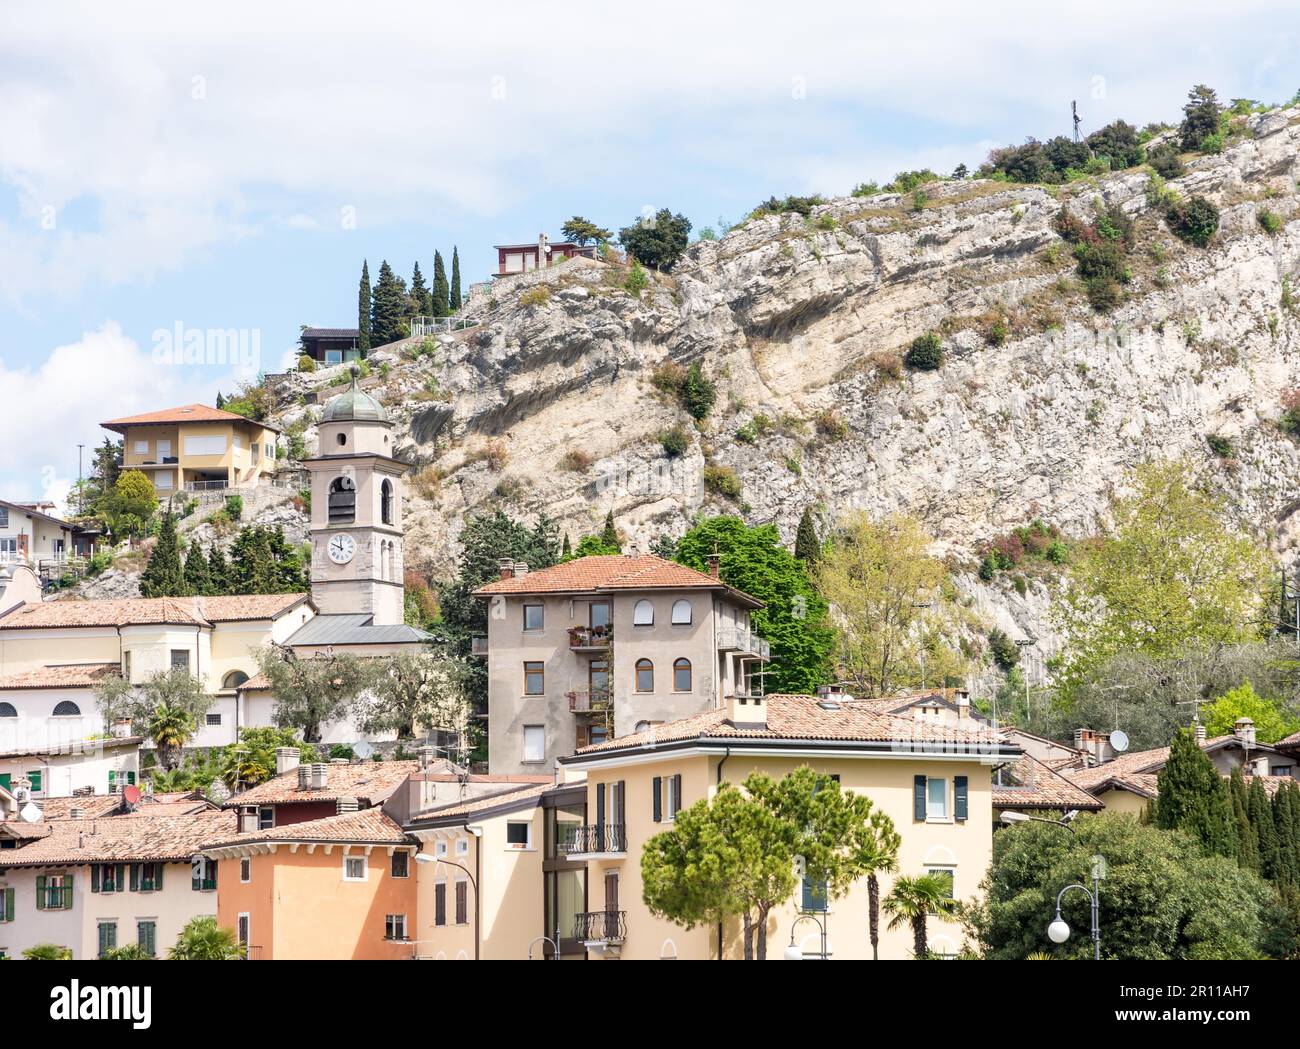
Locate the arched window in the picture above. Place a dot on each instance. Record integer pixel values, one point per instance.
(342, 501)
(681, 675)
(643, 613)
(67, 709)
(7, 710)
(234, 679)
(645, 675)
(681, 612)
(386, 502)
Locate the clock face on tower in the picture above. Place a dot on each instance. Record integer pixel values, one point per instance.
(341, 548)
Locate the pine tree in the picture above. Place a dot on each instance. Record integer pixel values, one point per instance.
(1194, 798)
(163, 575)
(363, 308)
(196, 571)
(807, 547)
(421, 298)
(1247, 839)
(441, 292)
(388, 308)
(1261, 818)
(218, 571)
(609, 536)
(456, 300)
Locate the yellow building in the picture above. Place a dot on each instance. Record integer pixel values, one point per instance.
(932, 778)
(194, 448)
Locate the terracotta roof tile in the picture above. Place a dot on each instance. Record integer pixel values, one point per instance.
(187, 611)
(370, 782)
(1270, 783)
(1042, 789)
(363, 827)
(1292, 740)
(515, 795)
(612, 572)
(79, 675)
(120, 839)
(100, 806)
(1124, 765)
(792, 717)
(185, 413)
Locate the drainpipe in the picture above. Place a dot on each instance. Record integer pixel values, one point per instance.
(721, 761)
(478, 888)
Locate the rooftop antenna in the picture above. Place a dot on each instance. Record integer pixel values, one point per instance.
(1074, 111)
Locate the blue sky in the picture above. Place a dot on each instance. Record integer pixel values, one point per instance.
(160, 165)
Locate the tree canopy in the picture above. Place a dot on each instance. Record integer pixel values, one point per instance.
(311, 691)
(657, 241)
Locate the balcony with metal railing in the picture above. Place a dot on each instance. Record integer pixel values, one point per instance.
(597, 841)
(743, 641)
(478, 646)
(589, 638)
(600, 926)
(590, 701)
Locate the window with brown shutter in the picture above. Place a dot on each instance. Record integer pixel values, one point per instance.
(462, 903)
(440, 903)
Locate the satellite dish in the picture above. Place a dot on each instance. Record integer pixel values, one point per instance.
(1119, 741)
(131, 794)
(30, 813)
(362, 749)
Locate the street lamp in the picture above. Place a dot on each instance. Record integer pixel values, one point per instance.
(555, 948)
(1058, 931)
(794, 953)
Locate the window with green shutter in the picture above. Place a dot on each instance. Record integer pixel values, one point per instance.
(146, 935)
(40, 892)
(960, 793)
(107, 937)
(6, 781)
(6, 905)
(34, 778)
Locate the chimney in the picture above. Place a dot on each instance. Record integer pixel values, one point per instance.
(715, 565)
(1244, 730)
(521, 569)
(747, 711)
(304, 777)
(248, 821)
(1200, 734)
(286, 759)
(121, 728)
(76, 813)
(507, 567)
(347, 805)
(963, 705)
(428, 755)
(832, 692)
(319, 775)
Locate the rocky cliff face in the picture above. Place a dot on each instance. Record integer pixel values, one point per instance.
(803, 321)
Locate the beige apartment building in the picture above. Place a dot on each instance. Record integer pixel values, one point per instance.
(196, 448)
(605, 646)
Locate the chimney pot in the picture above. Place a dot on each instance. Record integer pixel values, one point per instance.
(247, 822)
(121, 728)
(319, 776)
(521, 569)
(1244, 729)
(286, 759)
(715, 565)
(1200, 733)
(507, 567)
(347, 805)
(747, 711)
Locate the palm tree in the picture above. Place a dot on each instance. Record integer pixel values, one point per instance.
(913, 900)
(48, 952)
(128, 952)
(170, 728)
(244, 766)
(877, 854)
(203, 940)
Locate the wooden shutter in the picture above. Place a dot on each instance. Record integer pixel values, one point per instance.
(9, 905)
(959, 792)
(67, 892)
(40, 892)
(135, 877)
(583, 736)
(619, 790)
(600, 804)
(94, 877)
(677, 794)
(658, 787)
(440, 903)
(462, 902)
(157, 876)
(918, 797)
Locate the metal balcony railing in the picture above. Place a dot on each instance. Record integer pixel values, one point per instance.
(589, 701)
(742, 640)
(596, 839)
(478, 646)
(585, 637)
(600, 926)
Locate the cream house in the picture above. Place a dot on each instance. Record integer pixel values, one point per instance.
(31, 534)
(194, 448)
(605, 646)
(933, 779)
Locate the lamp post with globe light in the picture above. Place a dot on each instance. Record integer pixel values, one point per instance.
(1058, 931)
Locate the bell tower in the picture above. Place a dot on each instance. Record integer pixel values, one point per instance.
(356, 511)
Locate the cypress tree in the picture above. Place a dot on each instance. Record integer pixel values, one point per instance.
(456, 300)
(441, 292)
(566, 549)
(421, 299)
(1193, 797)
(218, 571)
(807, 547)
(609, 535)
(163, 575)
(1284, 820)
(196, 571)
(1261, 818)
(363, 308)
(387, 308)
(1247, 839)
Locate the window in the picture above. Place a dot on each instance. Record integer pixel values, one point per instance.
(681, 675)
(534, 617)
(34, 779)
(534, 679)
(213, 719)
(342, 439)
(681, 613)
(534, 743)
(813, 895)
(462, 903)
(519, 835)
(6, 905)
(164, 449)
(4, 517)
(126, 665)
(180, 659)
(333, 356)
(354, 868)
(666, 794)
(203, 875)
(440, 849)
(265, 817)
(234, 679)
(107, 937)
(146, 935)
(141, 447)
(947, 875)
(401, 865)
(107, 877)
(245, 870)
(7, 710)
(386, 502)
(936, 799)
(67, 709)
(462, 846)
(162, 479)
(645, 675)
(440, 903)
(342, 501)
(674, 795)
(395, 927)
(598, 614)
(242, 929)
(212, 445)
(53, 893)
(643, 613)
(146, 877)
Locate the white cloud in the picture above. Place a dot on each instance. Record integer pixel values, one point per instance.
(48, 410)
(158, 130)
